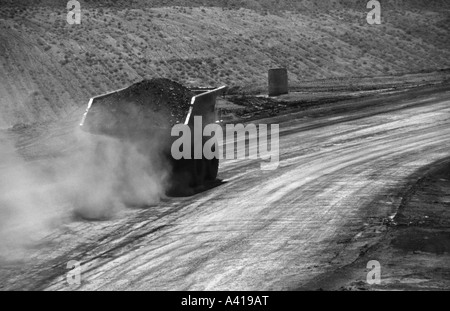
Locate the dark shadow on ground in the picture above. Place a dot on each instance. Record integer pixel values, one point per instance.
(188, 191)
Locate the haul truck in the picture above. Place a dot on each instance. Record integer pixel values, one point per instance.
(146, 112)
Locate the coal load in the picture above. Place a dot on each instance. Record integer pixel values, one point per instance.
(139, 109)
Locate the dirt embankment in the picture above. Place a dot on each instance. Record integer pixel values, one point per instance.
(326, 93)
(50, 67)
(414, 253)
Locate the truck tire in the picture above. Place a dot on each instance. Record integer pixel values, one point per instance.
(212, 168)
(199, 172)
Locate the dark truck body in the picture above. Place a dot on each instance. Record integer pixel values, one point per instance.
(146, 113)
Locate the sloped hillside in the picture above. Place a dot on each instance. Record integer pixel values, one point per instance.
(49, 68)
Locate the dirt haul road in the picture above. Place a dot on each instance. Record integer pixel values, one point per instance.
(335, 187)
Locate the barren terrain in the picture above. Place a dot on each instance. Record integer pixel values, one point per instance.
(49, 68)
(364, 147)
(326, 205)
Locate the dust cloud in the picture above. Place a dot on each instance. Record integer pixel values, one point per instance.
(100, 176)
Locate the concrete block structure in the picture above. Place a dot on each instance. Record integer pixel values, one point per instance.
(278, 81)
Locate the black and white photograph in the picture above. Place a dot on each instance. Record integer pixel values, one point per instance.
(236, 147)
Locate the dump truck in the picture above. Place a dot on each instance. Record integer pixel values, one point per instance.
(145, 112)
